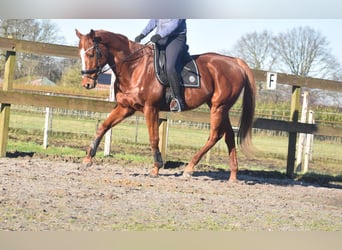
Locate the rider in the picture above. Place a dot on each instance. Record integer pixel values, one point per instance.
(171, 35)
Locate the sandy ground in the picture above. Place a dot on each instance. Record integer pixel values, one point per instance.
(43, 194)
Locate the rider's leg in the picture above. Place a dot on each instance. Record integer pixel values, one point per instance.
(174, 54)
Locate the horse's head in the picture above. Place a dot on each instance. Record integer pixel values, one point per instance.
(93, 56)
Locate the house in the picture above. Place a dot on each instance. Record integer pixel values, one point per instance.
(43, 81)
(104, 80)
(35, 81)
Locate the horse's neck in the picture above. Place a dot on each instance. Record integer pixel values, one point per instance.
(127, 54)
(120, 53)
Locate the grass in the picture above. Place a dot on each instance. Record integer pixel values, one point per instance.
(71, 135)
(35, 121)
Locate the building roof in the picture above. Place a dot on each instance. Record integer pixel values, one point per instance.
(104, 79)
(42, 82)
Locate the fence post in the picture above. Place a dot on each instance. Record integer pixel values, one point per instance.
(5, 108)
(47, 126)
(137, 118)
(291, 150)
(163, 130)
(108, 136)
(207, 157)
(302, 136)
(308, 145)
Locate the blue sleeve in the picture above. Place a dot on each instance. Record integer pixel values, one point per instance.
(164, 27)
(167, 27)
(149, 27)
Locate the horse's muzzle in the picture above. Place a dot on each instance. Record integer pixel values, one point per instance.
(88, 86)
(89, 83)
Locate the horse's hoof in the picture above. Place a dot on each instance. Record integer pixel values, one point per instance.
(153, 175)
(155, 172)
(187, 175)
(85, 165)
(233, 181)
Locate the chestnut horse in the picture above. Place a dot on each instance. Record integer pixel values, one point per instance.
(137, 89)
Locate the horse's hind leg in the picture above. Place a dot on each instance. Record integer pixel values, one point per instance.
(230, 142)
(116, 116)
(217, 130)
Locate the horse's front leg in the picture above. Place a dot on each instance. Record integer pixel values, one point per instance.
(116, 116)
(152, 122)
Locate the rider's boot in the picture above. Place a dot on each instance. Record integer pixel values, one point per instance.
(176, 104)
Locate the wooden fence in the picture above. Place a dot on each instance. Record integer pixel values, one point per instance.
(8, 97)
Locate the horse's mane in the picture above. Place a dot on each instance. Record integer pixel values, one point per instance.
(107, 37)
(105, 34)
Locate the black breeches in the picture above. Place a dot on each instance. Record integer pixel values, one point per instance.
(174, 52)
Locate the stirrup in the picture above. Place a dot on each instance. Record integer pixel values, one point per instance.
(175, 105)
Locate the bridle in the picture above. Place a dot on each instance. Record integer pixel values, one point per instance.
(100, 69)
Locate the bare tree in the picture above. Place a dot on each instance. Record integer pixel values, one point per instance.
(33, 30)
(256, 49)
(301, 51)
(305, 52)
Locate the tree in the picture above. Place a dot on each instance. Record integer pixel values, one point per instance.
(31, 30)
(37, 31)
(258, 52)
(301, 51)
(305, 52)
(256, 49)
(72, 76)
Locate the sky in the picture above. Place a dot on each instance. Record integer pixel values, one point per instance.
(209, 35)
(213, 25)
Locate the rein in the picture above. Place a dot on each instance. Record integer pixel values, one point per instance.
(129, 57)
(135, 52)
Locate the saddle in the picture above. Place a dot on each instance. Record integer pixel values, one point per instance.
(190, 74)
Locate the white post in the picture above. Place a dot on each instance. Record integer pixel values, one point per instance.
(164, 136)
(108, 136)
(308, 145)
(302, 136)
(136, 129)
(47, 125)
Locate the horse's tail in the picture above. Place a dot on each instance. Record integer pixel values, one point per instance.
(248, 107)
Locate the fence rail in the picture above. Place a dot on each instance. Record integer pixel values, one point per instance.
(46, 49)
(97, 105)
(8, 96)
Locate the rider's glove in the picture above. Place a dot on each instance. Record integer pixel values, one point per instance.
(139, 38)
(155, 38)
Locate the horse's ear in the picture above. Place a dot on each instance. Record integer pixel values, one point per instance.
(92, 34)
(78, 34)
